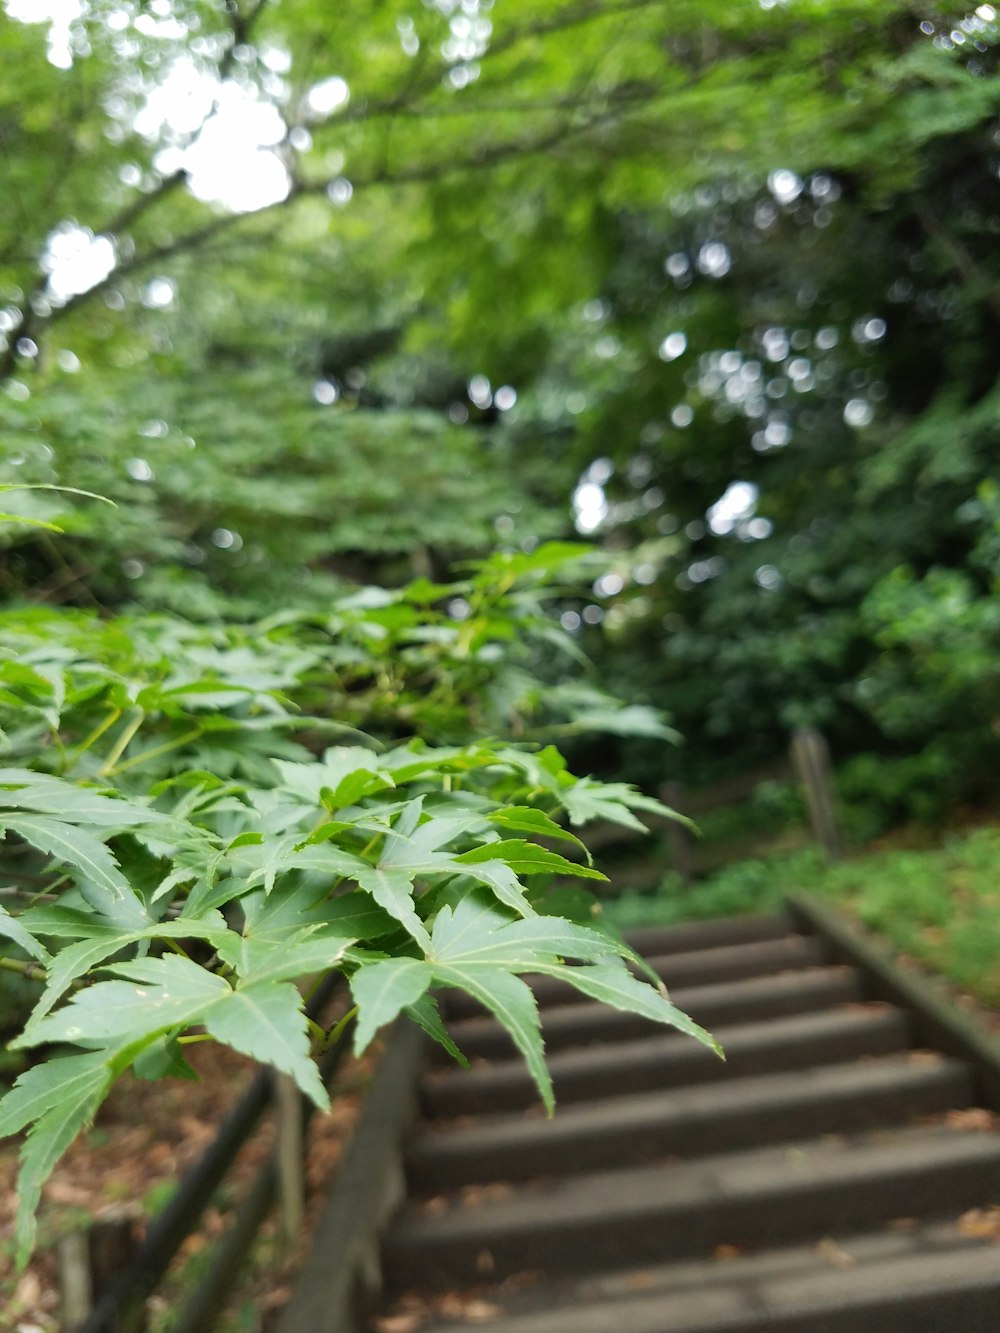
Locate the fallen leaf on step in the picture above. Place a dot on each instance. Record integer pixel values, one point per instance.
(481, 1310)
(638, 1281)
(726, 1252)
(497, 1189)
(451, 1304)
(414, 1301)
(485, 1262)
(528, 1277)
(973, 1117)
(982, 1223)
(835, 1255)
(61, 1191)
(28, 1291)
(274, 1300)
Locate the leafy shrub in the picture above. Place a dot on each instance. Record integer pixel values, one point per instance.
(199, 817)
(773, 806)
(877, 792)
(938, 905)
(756, 885)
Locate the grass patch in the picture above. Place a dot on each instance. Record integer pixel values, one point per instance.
(756, 885)
(939, 905)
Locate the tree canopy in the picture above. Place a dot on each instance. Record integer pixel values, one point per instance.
(715, 281)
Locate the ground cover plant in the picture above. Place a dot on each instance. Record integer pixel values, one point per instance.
(937, 902)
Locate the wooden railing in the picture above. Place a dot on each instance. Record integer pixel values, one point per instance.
(98, 1301)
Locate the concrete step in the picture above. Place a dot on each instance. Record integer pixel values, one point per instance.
(842, 1251)
(709, 934)
(698, 967)
(688, 1122)
(655, 1213)
(666, 1060)
(923, 1280)
(757, 998)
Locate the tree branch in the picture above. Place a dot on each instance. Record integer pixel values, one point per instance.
(572, 16)
(33, 322)
(960, 257)
(622, 94)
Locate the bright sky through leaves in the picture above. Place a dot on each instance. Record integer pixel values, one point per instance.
(59, 14)
(221, 133)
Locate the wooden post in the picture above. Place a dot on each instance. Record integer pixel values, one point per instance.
(88, 1263)
(291, 1176)
(811, 762)
(76, 1288)
(677, 835)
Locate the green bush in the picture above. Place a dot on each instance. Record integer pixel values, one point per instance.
(940, 906)
(198, 817)
(742, 887)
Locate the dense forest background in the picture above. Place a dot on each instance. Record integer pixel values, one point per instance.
(332, 297)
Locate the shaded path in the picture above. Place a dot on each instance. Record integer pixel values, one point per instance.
(823, 1180)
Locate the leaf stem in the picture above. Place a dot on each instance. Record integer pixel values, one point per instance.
(363, 854)
(337, 1031)
(122, 743)
(157, 750)
(369, 845)
(93, 738)
(33, 971)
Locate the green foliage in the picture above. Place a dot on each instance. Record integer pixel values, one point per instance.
(938, 638)
(25, 521)
(772, 807)
(498, 198)
(427, 659)
(255, 725)
(201, 847)
(938, 905)
(239, 493)
(477, 949)
(755, 885)
(877, 793)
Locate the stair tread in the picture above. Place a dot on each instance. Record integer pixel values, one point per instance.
(591, 1021)
(742, 1042)
(755, 1196)
(763, 953)
(691, 967)
(706, 1107)
(841, 1275)
(722, 1178)
(683, 936)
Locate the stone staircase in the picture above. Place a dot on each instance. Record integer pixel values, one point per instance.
(829, 1177)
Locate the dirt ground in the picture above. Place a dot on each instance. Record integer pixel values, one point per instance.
(145, 1138)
